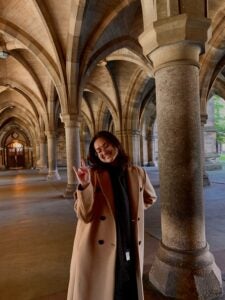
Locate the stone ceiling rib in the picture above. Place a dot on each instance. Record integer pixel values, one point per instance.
(52, 34)
(25, 16)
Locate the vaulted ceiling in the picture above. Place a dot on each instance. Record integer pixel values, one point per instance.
(85, 57)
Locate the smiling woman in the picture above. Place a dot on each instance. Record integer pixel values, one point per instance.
(106, 148)
(109, 241)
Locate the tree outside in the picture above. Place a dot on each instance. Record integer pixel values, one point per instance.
(219, 115)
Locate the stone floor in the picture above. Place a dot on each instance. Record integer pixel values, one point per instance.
(37, 228)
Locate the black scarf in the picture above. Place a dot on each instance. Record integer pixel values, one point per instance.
(125, 278)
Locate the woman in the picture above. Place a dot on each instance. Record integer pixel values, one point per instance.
(108, 253)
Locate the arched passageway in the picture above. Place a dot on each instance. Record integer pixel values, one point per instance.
(145, 70)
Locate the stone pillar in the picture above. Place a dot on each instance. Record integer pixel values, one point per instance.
(2, 163)
(146, 149)
(130, 140)
(206, 181)
(84, 143)
(183, 260)
(134, 146)
(5, 157)
(143, 149)
(72, 133)
(150, 149)
(37, 153)
(42, 163)
(155, 150)
(52, 161)
(183, 268)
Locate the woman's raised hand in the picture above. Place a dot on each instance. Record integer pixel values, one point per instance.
(82, 174)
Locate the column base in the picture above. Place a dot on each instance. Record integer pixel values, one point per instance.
(206, 181)
(186, 274)
(70, 189)
(149, 164)
(43, 170)
(53, 175)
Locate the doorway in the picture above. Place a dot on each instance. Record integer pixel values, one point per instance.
(15, 156)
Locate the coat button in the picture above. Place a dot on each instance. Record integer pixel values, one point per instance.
(102, 218)
(138, 218)
(141, 188)
(139, 243)
(101, 242)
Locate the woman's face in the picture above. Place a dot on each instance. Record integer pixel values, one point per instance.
(106, 152)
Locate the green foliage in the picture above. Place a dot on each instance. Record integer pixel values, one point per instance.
(219, 115)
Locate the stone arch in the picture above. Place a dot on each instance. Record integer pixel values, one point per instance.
(105, 120)
(25, 121)
(104, 98)
(72, 56)
(101, 54)
(38, 106)
(20, 126)
(134, 99)
(45, 17)
(22, 108)
(17, 142)
(147, 120)
(101, 28)
(27, 42)
(213, 61)
(35, 78)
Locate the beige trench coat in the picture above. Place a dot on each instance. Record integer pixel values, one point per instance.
(94, 253)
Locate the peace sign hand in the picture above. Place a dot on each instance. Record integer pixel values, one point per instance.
(82, 174)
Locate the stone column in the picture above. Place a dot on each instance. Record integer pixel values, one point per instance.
(122, 137)
(143, 150)
(37, 152)
(42, 163)
(183, 260)
(155, 150)
(52, 160)
(5, 157)
(2, 164)
(184, 268)
(146, 149)
(130, 140)
(85, 139)
(72, 133)
(150, 149)
(206, 181)
(134, 146)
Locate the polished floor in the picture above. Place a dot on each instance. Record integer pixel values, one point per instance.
(37, 226)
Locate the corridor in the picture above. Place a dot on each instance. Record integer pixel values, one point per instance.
(37, 226)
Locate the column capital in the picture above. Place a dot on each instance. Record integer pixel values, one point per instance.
(175, 29)
(50, 133)
(42, 138)
(128, 132)
(71, 120)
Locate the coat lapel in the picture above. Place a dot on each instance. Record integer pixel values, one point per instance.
(132, 185)
(106, 187)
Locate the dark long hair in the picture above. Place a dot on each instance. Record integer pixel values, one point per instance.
(122, 158)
